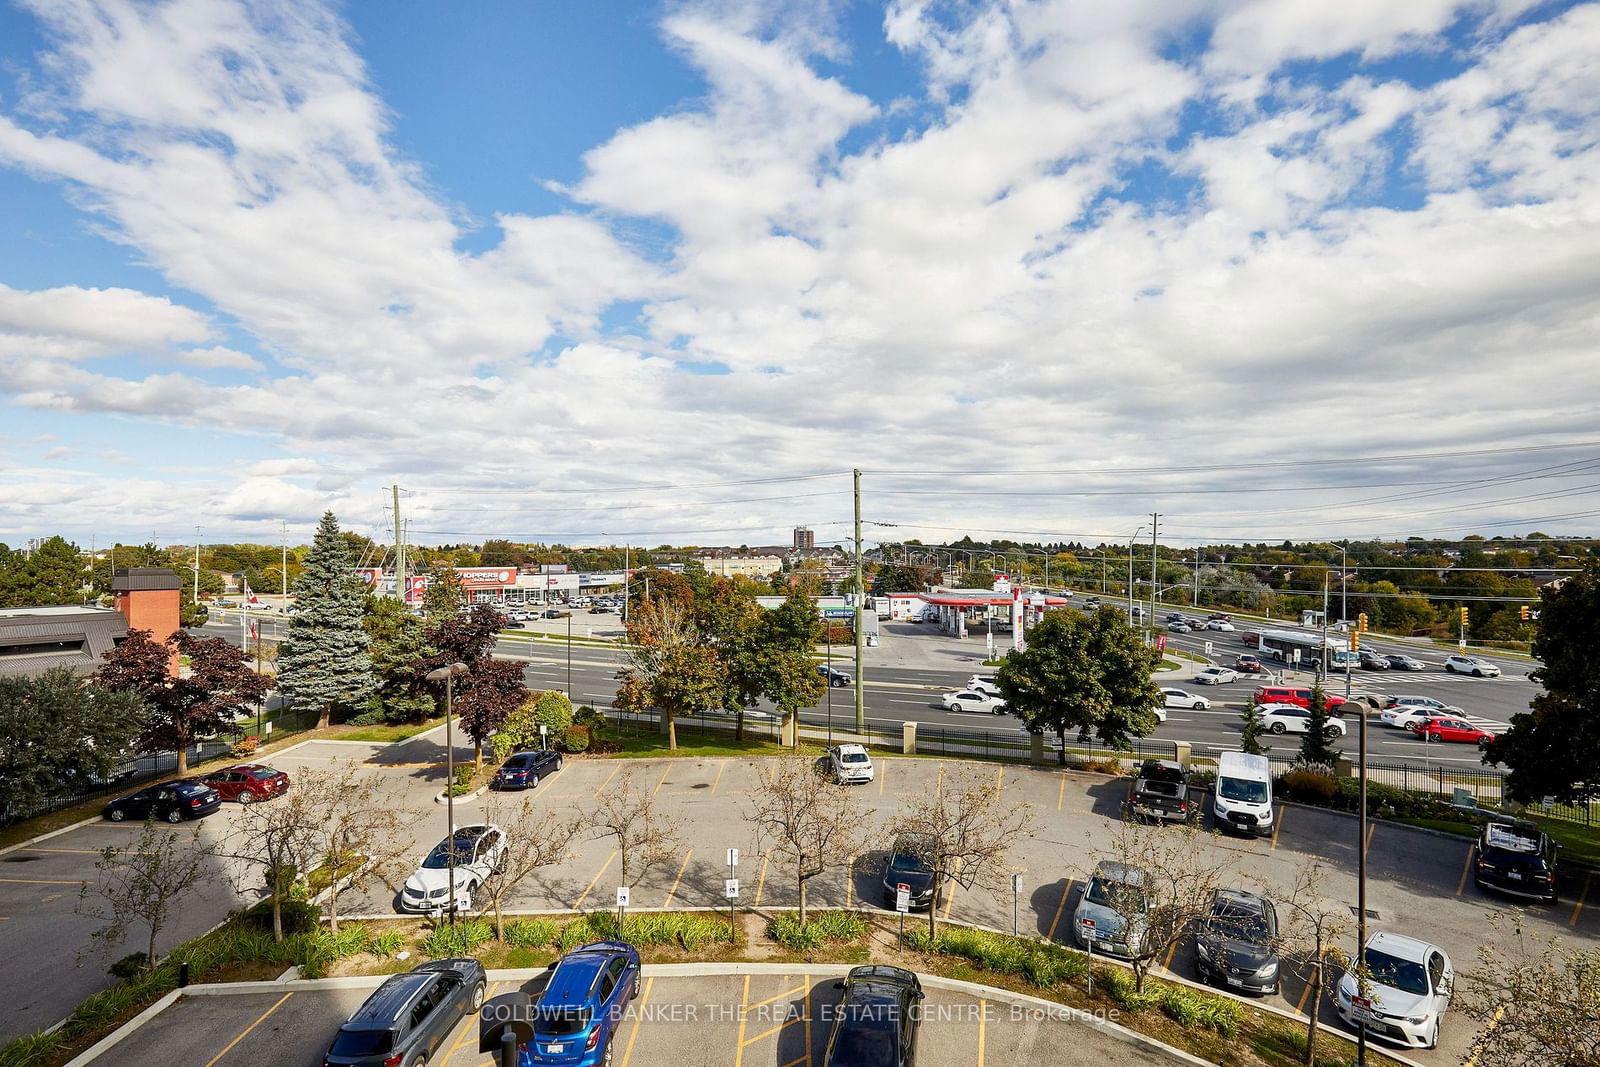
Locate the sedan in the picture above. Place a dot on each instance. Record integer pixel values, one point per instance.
(1409, 986)
(1216, 676)
(1443, 728)
(1371, 661)
(1293, 719)
(1247, 665)
(1406, 663)
(972, 700)
(1178, 698)
(248, 782)
(1178, 627)
(1478, 668)
(984, 683)
(1237, 944)
(1220, 624)
(522, 770)
(172, 801)
(835, 677)
(1405, 716)
(478, 851)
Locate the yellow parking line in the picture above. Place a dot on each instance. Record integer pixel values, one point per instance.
(850, 883)
(1166, 964)
(776, 1029)
(761, 882)
(663, 780)
(1371, 829)
(678, 879)
(1277, 825)
(1060, 906)
(614, 772)
(590, 887)
(738, 1055)
(1061, 793)
(1300, 1005)
(883, 774)
(938, 784)
(1577, 909)
(720, 768)
(1477, 1049)
(776, 997)
(1000, 778)
(42, 881)
(243, 1033)
(633, 1035)
(806, 978)
(1466, 869)
(949, 901)
(983, 1012)
(470, 1027)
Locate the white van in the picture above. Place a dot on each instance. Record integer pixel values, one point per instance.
(1243, 797)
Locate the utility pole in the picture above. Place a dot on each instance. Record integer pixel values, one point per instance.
(197, 566)
(399, 551)
(1197, 578)
(1344, 582)
(1155, 524)
(1322, 656)
(627, 571)
(283, 569)
(861, 592)
(1131, 540)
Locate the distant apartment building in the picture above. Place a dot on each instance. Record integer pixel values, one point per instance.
(742, 566)
(805, 539)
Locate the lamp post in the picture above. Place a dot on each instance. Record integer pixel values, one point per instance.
(448, 676)
(1131, 540)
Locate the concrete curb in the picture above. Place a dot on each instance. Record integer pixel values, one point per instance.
(111, 1040)
(439, 798)
(80, 824)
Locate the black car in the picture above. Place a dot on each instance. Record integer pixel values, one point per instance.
(835, 676)
(1406, 663)
(876, 1024)
(1161, 792)
(410, 1016)
(522, 770)
(172, 801)
(1237, 943)
(555, 613)
(1517, 859)
(909, 865)
(1371, 661)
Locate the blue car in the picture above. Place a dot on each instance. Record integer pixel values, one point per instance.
(572, 1022)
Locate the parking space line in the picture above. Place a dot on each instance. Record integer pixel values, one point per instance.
(1466, 869)
(42, 881)
(938, 784)
(776, 997)
(678, 879)
(1060, 906)
(1277, 824)
(1166, 964)
(590, 887)
(663, 781)
(1300, 1005)
(1577, 909)
(883, 774)
(1371, 829)
(744, 999)
(638, 1020)
(776, 1029)
(950, 900)
(720, 768)
(469, 1026)
(614, 772)
(1000, 778)
(1061, 793)
(245, 1032)
(761, 882)
(983, 1025)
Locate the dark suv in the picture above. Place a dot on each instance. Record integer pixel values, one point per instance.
(409, 1016)
(908, 865)
(876, 1021)
(172, 801)
(524, 769)
(1518, 859)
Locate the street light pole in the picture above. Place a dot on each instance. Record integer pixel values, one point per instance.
(448, 676)
(1131, 540)
(569, 657)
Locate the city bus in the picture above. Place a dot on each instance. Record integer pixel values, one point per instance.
(1305, 650)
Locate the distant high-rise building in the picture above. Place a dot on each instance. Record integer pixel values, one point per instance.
(804, 538)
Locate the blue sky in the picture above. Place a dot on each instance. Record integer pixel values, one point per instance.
(267, 259)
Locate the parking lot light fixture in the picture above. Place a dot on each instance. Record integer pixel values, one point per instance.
(448, 675)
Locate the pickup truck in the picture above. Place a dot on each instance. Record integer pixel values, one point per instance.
(1161, 792)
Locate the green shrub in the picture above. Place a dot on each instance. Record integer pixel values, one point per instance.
(402, 710)
(134, 963)
(298, 916)
(574, 739)
(552, 710)
(463, 783)
(30, 1049)
(386, 944)
(1220, 1014)
(695, 930)
(581, 931)
(917, 940)
(530, 933)
(1310, 787)
(841, 925)
(462, 939)
(788, 931)
(367, 718)
(1180, 1005)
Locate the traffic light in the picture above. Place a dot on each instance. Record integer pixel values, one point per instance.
(1523, 611)
(1361, 623)
(1355, 641)
(1463, 615)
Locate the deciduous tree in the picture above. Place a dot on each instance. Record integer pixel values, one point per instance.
(57, 732)
(807, 820)
(1535, 999)
(535, 839)
(667, 666)
(626, 815)
(1314, 916)
(325, 661)
(486, 697)
(144, 885)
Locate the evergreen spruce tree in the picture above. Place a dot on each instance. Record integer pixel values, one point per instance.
(1250, 736)
(1316, 747)
(324, 662)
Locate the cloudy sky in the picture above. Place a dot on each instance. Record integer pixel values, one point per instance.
(603, 270)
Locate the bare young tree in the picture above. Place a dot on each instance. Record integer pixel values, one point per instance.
(363, 834)
(968, 829)
(275, 843)
(144, 884)
(807, 820)
(534, 839)
(1535, 1000)
(1181, 873)
(1313, 921)
(626, 813)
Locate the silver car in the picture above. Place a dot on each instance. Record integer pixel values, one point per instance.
(1111, 913)
(410, 1016)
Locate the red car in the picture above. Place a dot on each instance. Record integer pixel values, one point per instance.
(248, 782)
(1445, 728)
(1247, 665)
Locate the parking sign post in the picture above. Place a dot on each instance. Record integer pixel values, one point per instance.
(1016, 893)
(622, 907)
(902, 904)
(731, 888)
(1088, 939)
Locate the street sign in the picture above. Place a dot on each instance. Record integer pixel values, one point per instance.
(622, 896)
(730, 888)
(1208, 648)
(733, 857)
(1161, 642)
(902, 898)
(1087, 924)
(1016, 882)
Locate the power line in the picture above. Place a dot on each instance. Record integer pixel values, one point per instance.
(773, 480)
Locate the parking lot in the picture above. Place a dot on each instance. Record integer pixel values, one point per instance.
(1419, 883)
(754, 1020)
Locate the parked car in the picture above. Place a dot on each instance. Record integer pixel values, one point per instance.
(875, 1024)
(478, 852)
(1237, 942)
(1178, 698)
(409, 1017)
(909, 864)
(1222, 625)
(602, 609)
(1518, 859)
(555, 613)
(1293, 719)
(1406, 663)
(1372, 661)
(1404, 716)
(1215, 675)
(850, 763)
(513, 624)
(984, 683)
(834, 676)
(172, 801)
(972, 700)
(1438, 707)
(248, 782)
(1247, 665)
(1478, 668)
(577, 1014)
(1409, 986)
(522, 770)
(1161, 791)
(1449, 728)
(1112, 910)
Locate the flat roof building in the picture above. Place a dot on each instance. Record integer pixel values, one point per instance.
(32, 640)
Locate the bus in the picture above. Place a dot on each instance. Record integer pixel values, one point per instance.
(1310, 651)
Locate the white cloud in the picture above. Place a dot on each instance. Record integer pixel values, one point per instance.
(218, 356)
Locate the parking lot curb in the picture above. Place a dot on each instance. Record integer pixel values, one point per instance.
(111, 1040)
(80, 824)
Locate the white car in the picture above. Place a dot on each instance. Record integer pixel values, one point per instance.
(478, 852)
(972, 700)
(1215, 676)
(1438, 707)
(1409, 987)
(1478, 668)
(984, 683)
(1178, 698)
(849, 763)
(1293, 719)
(1222, 625)
(1405, 716)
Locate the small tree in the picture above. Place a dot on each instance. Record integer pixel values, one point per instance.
(534, 840)
(807, 820)
(1250, 735)
(486, 698)
(627, 815)
(362, 836)
(144, 884)
(968, 829)
(277, 843)
(445, 595)
(1313, 920)
(1316, 746)
(1182, 870)
(667, 665)
(1536, 1004)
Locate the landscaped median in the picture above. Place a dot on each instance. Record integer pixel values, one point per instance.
(1203, 1023)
